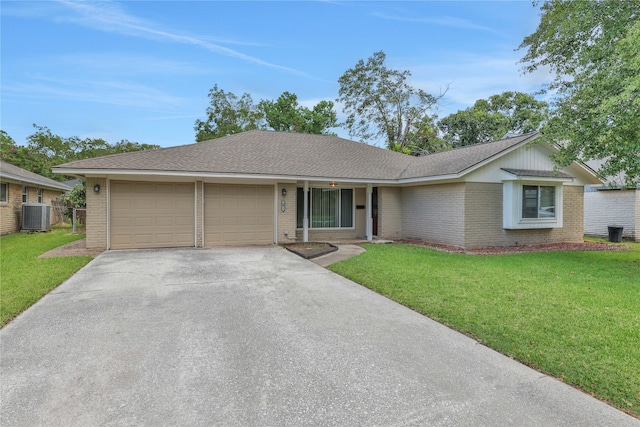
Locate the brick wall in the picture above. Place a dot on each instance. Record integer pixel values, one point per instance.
(96, 231)
(11, 211)
(390, 212)
(612, 207)
(434, 213)
(483, 222)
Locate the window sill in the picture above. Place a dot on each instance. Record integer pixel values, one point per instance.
(328, 229)
(534, 223)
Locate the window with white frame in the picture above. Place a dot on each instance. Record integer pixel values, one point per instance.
(39, 195)
(538, 201)
(25, 194)
(328, 208)
(4, 192)
(531, 205)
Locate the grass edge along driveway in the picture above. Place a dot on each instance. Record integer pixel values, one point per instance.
(25, 278)
(573, 315)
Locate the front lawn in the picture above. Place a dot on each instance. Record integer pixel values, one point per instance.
(574, 315)
(25, 278)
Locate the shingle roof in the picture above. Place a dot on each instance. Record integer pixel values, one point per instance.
(459, 160)
(261, 152)
(14, 173)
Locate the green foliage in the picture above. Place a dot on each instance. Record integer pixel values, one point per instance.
(574, 315)
(228, 114)
(45, 150)
(78, 196)
(592, 48)
(491, 119)
(286, 114)
(25, 277)
(379, 103)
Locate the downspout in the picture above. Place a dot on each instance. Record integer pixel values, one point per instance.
(305, 215)
(369, 222)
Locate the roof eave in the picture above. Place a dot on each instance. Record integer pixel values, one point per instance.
(23, 180)
(214, 175)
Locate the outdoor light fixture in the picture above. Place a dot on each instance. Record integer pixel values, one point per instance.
(96, 188)
(284, 192)
(332, 184)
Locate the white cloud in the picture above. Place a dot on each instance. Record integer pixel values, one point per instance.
(444, 21)
(110, 17)
(93, 91)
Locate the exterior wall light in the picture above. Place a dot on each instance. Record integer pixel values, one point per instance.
(284, 192)
(332, 184)
(96, 188)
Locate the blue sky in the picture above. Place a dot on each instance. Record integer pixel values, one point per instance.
(141, 70)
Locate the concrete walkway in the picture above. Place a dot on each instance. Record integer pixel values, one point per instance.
(257, 337)
(343, 252)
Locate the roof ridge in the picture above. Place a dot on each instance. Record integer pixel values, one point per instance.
(481, 143)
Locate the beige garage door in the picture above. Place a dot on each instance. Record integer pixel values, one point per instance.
(238, 215)
(151, 215)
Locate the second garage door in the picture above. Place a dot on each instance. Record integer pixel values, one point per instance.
(238, 215)
(151, 215)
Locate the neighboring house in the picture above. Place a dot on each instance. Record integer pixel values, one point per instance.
(608, 205)
(72, 183)
(263, 187)
(18, 186)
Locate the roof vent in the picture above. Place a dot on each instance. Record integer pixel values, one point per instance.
(36, 217)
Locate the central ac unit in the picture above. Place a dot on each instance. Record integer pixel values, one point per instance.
(36, 217)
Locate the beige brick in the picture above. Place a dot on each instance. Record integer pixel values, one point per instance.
(483, 222)
(434, 213)
(11, 212)
(96, 231)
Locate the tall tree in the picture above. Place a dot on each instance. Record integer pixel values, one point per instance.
(380, 103)
(592, 48)
(492, 118)
(228, 114)
(286, 114)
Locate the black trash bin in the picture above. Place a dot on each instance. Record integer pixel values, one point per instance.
(615, 233)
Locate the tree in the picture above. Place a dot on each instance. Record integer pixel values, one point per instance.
(46, 150)
(491, 119)
(592, 48)
(286, 114)
(11, 153)
(379, 103)
(227, 115)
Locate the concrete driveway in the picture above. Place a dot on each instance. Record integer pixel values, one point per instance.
(257, 337)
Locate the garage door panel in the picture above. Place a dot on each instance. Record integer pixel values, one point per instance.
(149, 215)
(238, 214)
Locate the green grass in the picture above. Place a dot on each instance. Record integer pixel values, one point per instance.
(574, 315)
(25, 278)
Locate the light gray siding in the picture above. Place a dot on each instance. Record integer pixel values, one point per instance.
(612, 207)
